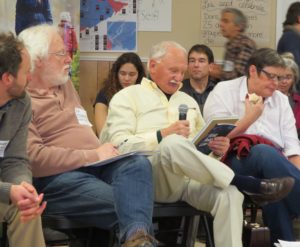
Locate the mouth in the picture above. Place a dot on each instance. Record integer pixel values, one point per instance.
(126, 84)
(174, 83)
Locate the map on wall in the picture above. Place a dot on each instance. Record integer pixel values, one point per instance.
(258, 13)
(108, 25)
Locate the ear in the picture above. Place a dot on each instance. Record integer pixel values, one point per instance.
(152, 65)
(7, 79)
(252, 70)
(210, 67)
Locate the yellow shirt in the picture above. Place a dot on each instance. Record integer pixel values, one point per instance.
(137, 112)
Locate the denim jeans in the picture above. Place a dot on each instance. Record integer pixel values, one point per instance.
(119, 193)
(265, 161)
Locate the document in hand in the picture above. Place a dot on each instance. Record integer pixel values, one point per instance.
(215, 127)
(120, 157)
(287, 244)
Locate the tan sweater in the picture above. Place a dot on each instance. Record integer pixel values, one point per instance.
(57, 141)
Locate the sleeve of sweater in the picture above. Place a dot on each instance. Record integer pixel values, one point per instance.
(14, 165)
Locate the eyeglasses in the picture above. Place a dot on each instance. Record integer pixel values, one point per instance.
(272, 76)
(288, 77)
(61, 53)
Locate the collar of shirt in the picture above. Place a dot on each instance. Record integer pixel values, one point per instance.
(43, 91)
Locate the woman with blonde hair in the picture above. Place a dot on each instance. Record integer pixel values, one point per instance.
(289, 85)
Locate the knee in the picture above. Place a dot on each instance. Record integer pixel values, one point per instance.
(12, 214)
(263, 149)
(171, 140)
(139, 163)
(230, 196)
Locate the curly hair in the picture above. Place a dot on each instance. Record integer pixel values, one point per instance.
(112, 84)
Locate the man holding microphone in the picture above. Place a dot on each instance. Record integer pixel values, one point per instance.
(147, 115)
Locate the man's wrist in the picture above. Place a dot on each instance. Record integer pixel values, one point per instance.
(159, 136)
(217, 156)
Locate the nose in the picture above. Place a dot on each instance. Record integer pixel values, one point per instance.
(127, 77)
(196, 63)
(68, 59)
(29, 77)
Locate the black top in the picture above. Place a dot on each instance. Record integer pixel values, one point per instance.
(101, 98)
(199, 97)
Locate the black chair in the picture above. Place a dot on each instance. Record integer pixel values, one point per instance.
(3, 237)
(186, 234)
(59, 230)
(190, 219)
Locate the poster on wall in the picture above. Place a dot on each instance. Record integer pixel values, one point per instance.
(258, 13)
(155, 15)
(17, 15)
(108, 25)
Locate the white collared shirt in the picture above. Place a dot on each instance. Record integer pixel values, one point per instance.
(277, 122)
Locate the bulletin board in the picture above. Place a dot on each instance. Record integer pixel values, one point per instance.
(258, 12)
(187, 27)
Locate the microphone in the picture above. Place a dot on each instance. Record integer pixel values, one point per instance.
(183, 108)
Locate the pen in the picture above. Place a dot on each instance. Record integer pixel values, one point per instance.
(118, 146)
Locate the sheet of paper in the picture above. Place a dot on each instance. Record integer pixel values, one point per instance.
(288, 243)
(119, 157)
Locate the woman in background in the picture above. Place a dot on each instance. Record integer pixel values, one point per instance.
(289, 85)
(127, 70)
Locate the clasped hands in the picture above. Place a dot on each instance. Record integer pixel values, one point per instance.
(27, 200)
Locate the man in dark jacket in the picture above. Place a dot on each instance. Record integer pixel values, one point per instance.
(290, 39)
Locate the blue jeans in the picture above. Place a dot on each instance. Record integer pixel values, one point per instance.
(265, 161)
(118, 193)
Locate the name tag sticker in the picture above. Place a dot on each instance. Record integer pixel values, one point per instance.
(82, 117)
(3, 145)
(228, 66)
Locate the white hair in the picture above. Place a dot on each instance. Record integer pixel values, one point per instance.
(292, 65)
(37, 40)
(159, 50)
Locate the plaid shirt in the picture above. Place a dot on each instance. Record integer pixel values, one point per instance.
(238, 51)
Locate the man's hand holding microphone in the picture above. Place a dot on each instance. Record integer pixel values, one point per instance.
(180, 127)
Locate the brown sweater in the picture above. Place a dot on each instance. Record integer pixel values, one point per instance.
(57, 142)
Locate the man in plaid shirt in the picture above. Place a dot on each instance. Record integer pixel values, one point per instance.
(239, 47)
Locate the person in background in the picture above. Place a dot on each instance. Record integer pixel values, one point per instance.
(290, 39)
(62, 146)
(127, 70)
(267, 120)
(199, 84)
(68, 33)
(20, 205)
(146, 115)
(239, 47)
(32, 12)
(289, 85)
